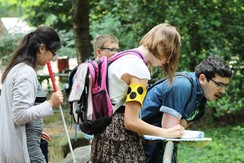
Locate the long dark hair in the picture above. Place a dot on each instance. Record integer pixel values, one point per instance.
(29, 47)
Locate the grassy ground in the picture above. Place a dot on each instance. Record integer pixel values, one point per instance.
(226, 147)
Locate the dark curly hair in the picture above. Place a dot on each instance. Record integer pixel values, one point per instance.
(212, 66)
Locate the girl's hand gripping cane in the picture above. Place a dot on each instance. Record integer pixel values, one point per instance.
(57, 97)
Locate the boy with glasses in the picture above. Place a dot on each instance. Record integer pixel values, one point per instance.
(165, 102)
(105, 45)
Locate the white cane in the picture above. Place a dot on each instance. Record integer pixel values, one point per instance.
(61, 110)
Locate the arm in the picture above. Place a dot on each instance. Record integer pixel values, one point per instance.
(134, 123)
(168, 121)
(24, 95)
(174, 102)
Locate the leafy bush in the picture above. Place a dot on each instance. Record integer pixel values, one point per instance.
(110, 24)
(8, 44)
(68, 44)
(206, 27)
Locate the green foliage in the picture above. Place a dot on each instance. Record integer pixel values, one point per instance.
(206, 27)
(225, 147)
(67, 48)
(9, 8)
(112, 25)
(117, 18)
(8, 44)
(53, 13)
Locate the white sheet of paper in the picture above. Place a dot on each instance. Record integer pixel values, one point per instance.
(189, 135)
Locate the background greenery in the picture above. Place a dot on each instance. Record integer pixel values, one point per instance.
(206, 27)
(226, 147)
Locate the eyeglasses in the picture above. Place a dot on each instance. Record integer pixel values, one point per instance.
(110, 49)
(49, 49)
(53, 52)
(219, 84)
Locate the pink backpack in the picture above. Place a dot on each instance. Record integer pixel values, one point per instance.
(89, 99)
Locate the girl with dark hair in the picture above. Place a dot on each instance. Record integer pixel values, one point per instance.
(23, 102)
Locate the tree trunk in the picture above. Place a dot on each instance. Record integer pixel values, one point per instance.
(81, 29)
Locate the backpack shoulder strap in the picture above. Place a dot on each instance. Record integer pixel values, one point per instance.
(191, 81)
(98, 70)
(127, 52)
(176, 74)
(165, 78)
(184, 75)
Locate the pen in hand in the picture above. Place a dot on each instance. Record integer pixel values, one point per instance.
(179, 116)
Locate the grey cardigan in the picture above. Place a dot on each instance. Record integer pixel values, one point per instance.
(17, 108)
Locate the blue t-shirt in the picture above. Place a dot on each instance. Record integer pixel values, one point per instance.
(172, 99)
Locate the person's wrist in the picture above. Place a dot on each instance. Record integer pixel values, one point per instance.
(50, 103)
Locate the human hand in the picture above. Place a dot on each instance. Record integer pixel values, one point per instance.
(45, 136)
(174, 132)
(56, 99)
